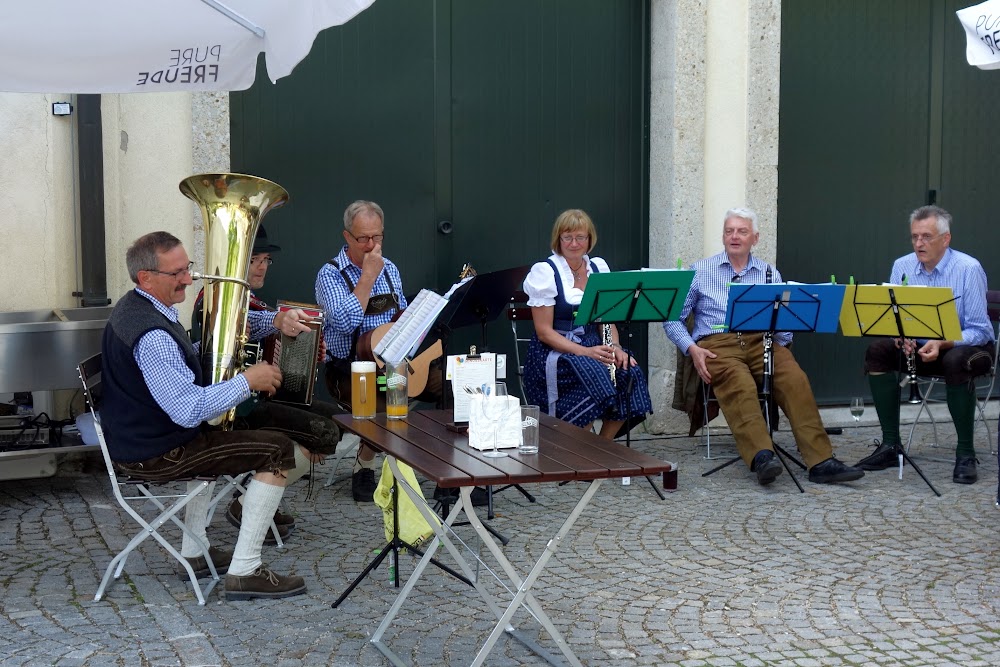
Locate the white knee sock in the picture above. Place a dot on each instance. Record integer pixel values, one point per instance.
(360, 463)
(259, 504)
(301, 467)
(296, 473)
(196, 518)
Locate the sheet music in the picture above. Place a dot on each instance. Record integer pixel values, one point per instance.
(474, 373)
(408, 332)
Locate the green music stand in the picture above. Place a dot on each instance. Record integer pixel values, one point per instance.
(624, 297)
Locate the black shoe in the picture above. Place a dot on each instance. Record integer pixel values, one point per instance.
(234, 515)
(832, 470)
(882, 458)
(965, 470)
(766, 466)
(263, 583)
(363, 485)
(220, 558)
(480, 497)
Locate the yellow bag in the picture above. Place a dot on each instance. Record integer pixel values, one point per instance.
(413, 527)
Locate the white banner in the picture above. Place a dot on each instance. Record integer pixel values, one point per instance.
(982, 34)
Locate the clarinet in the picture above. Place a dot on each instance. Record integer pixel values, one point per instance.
(911, 368)
(767, 342)
(609, 341)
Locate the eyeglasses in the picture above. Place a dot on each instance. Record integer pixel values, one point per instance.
(924, 238)
(261, 260)
(363, 240)
(579, 238)
(179, 273)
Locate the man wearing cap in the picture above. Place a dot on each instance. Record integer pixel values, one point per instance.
(311, 426)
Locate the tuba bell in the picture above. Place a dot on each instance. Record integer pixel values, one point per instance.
(232, 206)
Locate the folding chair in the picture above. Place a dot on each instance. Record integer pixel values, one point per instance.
(133, 494)
(927, 383)
(348, 444)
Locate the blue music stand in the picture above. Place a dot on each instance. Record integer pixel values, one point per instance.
(771, 307)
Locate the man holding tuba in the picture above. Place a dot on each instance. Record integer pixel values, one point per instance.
(934, 263)
(155, 401)
(311, 426)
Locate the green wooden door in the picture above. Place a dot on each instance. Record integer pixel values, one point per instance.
(880, 114)
(473, 124)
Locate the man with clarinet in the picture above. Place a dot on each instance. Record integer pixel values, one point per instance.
(734, 363)
(935, 264)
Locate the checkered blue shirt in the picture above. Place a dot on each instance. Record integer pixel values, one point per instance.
(709, 295)
(171, 382)
(966, 278)
(342, 314)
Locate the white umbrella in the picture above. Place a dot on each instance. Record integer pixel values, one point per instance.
(982, 34)
(123, 46)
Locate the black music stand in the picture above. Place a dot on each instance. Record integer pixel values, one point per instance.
(625, 297)
(901, 311)
(480, 300)
(394, 546)
(771, 307)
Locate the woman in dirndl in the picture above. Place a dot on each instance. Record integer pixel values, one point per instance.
(568, 369)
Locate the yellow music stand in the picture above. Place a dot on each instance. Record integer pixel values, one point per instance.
(894, 311)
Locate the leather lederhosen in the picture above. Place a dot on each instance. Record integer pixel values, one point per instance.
(377, 305)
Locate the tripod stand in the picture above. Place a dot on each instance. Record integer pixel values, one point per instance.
(394, 546)
(632, 296)
(771, 307)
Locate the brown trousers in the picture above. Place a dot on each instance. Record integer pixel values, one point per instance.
(737, 372)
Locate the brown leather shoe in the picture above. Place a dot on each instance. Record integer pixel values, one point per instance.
(220, 558)
(234, 515)
(263, 583)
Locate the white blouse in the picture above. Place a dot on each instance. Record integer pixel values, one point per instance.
(540, 285)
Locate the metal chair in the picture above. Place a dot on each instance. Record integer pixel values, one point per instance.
(519, 316)
(984, 384)
(134, 494)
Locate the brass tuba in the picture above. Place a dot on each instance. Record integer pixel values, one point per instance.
(232, 206)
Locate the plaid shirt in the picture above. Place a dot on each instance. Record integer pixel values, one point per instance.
(709, 295)
(171, 382)
(342, 314)
(967, 280)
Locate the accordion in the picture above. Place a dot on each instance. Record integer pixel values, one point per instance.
(297, 357)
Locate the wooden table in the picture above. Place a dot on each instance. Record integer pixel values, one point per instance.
(425, 442)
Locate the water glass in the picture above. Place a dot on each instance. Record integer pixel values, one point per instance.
(529, 430)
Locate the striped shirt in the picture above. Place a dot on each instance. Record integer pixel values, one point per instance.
(342, 313)
(966, 278)
(171, 382)
(709, 295)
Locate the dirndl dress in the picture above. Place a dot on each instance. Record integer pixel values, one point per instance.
(575, 388)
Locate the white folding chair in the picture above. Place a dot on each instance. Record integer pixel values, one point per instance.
(984, 384)
(133, 496)
(348, 445)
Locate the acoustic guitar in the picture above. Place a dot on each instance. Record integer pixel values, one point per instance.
(419, 366)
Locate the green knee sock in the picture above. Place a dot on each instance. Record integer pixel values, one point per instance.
(962, 406)
(885, 395)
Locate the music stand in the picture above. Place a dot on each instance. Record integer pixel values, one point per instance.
(625, 297)
(480, 300)
(771, 307)
(901, 311)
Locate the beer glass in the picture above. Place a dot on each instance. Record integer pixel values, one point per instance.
(363, 389)
(397, 396)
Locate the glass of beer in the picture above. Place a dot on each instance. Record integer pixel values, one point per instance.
(363, 389)
(397, 396)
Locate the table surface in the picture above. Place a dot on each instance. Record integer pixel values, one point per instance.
(427, 442)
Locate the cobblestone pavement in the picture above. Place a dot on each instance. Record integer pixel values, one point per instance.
(724, 572)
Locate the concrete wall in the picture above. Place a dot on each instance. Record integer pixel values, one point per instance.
(151, 142)
(713, 143)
